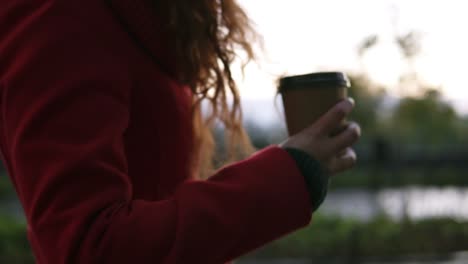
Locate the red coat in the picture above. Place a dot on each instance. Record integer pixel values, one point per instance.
(95, 134)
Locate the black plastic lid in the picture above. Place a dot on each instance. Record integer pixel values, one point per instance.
(318, 79)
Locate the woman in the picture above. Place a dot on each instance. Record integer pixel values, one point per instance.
(103, 137)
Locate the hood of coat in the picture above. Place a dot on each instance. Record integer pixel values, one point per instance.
(147, 29)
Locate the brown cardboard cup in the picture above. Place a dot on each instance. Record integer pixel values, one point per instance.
(307, 97)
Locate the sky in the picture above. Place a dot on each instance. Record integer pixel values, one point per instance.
(302, 36)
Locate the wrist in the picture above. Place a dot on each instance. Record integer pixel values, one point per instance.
(315, 177)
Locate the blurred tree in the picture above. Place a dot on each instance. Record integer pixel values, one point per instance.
(409, 45)
(425, 120)
(364, 46)
(462, 129)
(369, 97)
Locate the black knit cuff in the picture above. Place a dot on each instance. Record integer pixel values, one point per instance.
(316, 179)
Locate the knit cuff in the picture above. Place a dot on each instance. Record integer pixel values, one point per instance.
(316, 179)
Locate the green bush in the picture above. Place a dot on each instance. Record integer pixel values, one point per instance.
(329, 237)
(6, 188)
(14, 245)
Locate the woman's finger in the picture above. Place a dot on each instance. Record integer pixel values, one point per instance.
(342, 163)
(346, 138)
(334, 117)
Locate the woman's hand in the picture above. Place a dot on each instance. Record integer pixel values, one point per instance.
(334, 153)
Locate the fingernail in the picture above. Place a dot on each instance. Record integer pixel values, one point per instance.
(356, 127)
(352, 100)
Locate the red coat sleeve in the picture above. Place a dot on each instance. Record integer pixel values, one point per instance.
(64, 115)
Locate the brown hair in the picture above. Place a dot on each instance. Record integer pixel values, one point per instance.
(207, 35)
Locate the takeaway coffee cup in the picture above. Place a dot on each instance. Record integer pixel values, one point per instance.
(307, 97)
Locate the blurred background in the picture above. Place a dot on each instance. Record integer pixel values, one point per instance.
(407, 200)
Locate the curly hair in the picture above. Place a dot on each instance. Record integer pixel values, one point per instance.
(208, 36)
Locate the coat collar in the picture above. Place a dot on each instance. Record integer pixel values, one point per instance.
(146, 28)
